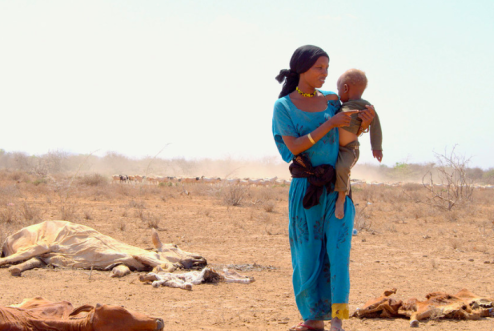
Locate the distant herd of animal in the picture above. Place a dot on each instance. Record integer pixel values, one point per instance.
(270, 181)
(156, 180)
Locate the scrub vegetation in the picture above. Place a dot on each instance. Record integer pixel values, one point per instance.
(402, 239)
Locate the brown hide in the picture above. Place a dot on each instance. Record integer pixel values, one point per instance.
(66, 244)
(113, 318)
(462, 306)
(382, 307)
(46, 309)
(38, 314)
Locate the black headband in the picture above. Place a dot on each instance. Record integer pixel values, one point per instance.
(302, 60)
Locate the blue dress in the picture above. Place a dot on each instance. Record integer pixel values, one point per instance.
(319, 242)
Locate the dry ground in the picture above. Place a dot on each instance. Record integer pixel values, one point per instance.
(401, 243)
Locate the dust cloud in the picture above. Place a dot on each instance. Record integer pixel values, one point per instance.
(267, 167)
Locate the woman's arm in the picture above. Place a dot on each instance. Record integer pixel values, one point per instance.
(297, 145)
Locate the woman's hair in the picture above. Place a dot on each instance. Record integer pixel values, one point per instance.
(302, 60)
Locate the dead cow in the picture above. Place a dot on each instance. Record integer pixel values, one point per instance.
(40, 314)
(66, 244)
(381, 307)
(464, 305)
(186, 280)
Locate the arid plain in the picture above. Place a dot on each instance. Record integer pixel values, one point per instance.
(402, 242)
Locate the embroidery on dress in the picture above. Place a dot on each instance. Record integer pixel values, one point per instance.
(326, 271)
(326, 138)
(318, 229)
(342, 236)
(301, 230)
(321, 310)
(288, 130)
(299, 128)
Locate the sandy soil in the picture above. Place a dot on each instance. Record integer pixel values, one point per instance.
(400, 244)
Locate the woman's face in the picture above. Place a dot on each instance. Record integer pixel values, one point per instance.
(316, 75)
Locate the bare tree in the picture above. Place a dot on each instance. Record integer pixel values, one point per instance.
(454, 186)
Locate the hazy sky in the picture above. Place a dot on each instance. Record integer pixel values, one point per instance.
(197, 77)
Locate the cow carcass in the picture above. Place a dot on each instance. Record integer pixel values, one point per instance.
(40, 314)
(186, 280)
(464, 305)
(71, 245)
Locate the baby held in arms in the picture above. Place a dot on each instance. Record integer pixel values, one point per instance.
(351, 85)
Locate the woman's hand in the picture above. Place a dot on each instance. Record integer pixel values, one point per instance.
(297, 145)
(366, 116)
(342, 119)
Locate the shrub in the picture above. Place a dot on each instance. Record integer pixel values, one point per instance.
(362, 219)
(67, 212)
(30, 213)
(268, 206)
(233, 195)
(88, 215)
(39, 181)
(153, 221)
(455, 187)
(93, 180)
(8, 215)
(122, 225)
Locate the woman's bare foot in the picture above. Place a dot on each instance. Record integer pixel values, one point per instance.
(309, 325)
(339, 211)
(336, 324)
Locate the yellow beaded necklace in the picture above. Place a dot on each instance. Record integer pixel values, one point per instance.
(307, 95)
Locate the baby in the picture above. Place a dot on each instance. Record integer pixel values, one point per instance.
(351, 86)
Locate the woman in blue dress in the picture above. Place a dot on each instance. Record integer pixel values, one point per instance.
(304, 123)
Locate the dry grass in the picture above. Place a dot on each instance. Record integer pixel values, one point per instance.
(88, 215)
(456, 243)
(93, 180)
(153, 222)
(269, 206)
(9, 214)
(122, 225)
(362, 220)
(32, 200)
(30, 212)
(234, 195)
(380, 210)
(150, 220)
(137, 204)
(68, 212)
(19, 176)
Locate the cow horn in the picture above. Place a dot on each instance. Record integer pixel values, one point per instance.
(160, 325)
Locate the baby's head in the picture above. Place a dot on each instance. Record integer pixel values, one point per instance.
(351, 85)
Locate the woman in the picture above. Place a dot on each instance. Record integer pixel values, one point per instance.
(304, 123)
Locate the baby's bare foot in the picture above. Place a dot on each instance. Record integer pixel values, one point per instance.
(339, 211)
